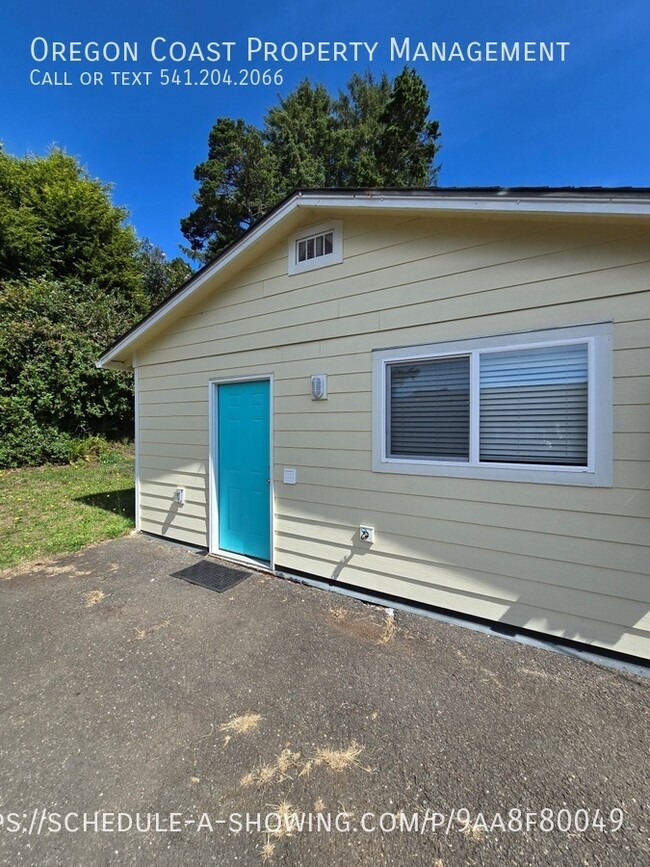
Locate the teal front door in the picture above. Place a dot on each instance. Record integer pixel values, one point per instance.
(243, 468)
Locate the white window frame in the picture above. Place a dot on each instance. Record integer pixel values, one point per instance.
(333, 258)
(598, 471)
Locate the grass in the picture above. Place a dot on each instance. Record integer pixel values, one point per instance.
(58, 509)
(338, 760)
(278, 771)
(241, 725)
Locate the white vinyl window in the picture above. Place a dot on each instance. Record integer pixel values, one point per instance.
(316, 247)
(525, 407)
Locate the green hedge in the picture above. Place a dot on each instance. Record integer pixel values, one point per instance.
(52, 397)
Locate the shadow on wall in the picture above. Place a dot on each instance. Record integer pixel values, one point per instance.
(356, 549)
(592, 632)
(526, 604)
(172, 512)
(120, 502)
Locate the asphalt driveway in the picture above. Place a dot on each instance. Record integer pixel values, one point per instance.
(171, 716)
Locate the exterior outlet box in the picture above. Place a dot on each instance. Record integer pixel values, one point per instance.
(179, 495)
(367, 534)
(319, 386)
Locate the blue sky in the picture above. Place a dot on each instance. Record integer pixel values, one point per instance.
(584, 121)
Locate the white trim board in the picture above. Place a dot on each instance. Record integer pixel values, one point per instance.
(136, 438)
(597, 473)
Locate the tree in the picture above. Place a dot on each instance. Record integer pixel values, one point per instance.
(375, 133)
(160, 275)
(407, 148)
(360, 113)
(301, 138)
(73, 276)
(51, 393)
(236, 184)
(58, 222)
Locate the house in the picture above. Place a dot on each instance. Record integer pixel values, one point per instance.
(441, 395)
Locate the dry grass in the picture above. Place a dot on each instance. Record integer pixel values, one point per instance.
(267, 850)
(335, 760)
(284, 811)
(141, 634)
(277, 771)
(338, 760)
(388, 631)
(241, 724)
(285, 761)
(474, 833)
(319, 806)
(93, 597)
(338, 613)
(266, 774)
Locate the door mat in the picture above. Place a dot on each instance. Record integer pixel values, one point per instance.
(212, 576)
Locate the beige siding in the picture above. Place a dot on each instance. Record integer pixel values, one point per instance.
(560, 559)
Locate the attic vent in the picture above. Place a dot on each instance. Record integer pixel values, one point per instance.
(317, 245)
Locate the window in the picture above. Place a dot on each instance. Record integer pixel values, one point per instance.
(316, 247)
(428, 409)
(529, 407)
(312, 248)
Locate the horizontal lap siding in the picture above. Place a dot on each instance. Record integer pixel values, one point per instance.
(563, 560)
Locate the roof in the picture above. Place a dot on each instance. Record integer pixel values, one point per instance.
(585, 201)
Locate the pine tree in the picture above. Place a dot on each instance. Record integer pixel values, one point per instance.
(374, 134)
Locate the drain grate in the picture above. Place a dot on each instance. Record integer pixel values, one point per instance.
(212, 576)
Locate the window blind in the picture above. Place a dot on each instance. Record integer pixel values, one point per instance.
(533, 405)
(428, 409)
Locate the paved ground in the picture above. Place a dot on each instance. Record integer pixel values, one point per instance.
(116, 678)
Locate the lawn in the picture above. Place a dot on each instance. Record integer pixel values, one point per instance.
(55, 509)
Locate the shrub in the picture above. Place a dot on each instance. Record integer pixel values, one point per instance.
(52, 397)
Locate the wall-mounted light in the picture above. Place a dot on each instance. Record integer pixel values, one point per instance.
(319, 386)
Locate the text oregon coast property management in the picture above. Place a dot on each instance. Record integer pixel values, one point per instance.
(163, 50)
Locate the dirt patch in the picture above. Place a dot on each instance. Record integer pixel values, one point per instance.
(47, 568)
(367, 629)
(141, 634)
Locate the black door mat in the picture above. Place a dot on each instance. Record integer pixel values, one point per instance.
(212, 576)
